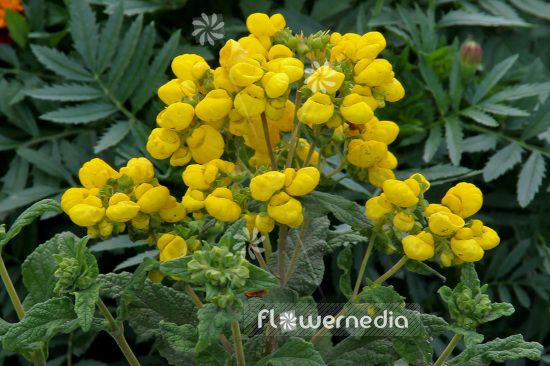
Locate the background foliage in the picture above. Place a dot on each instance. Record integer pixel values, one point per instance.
(80, 82)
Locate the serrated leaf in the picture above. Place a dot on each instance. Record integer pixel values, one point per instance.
(437, 172)
(109, 38)
(344, 263)
(66, 92)
(28, 216)
(500, 8)
(503, 110)
(537, 8)
(125, 51)
(519, 92)
(502, 161)
(498, 350)
(156, 70)
(432, 143)
(296, 352)
(318, 204)
(415, 350)
(212, 322)
(80, 113)
(27, 196)
(17, 26)
(479, 143)
(61, 64)
(480, 117)
(112, 136)
(433, 84)
(84, 31)
(423, 269)
(46, 163)
(453, 137)
(462, 17)
(84, 306)
(182, 338)
(530, 178)
(539, 122)
(41, 323)
(493, 78)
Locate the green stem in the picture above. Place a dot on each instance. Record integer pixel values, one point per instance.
(309, 155)
(239, 352)
(38, 358)
(363, 266)
(452, 344)
(268, 143)
(296, 128)
(297, 249)
(342, 166)
(11, 289)
(117, 332)
(258, 255)
(115, 101)
(392, 270)
(281, 249)
(267, 247)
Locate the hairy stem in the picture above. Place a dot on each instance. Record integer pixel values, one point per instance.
(257, 253)
(11, 289)
(392, 270)
(239, 352)
(281, 249)
(267, 247)
(363, 266)
(268, 143)
(117, 332)
(297, 249)
(447, 351)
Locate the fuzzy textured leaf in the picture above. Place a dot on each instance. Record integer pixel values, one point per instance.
(344, 263)
(296, 352)
(212, 322)
(319, 204)
(85, 305)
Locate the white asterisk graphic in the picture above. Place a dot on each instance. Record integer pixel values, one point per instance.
(287, 321)
(242, 238)
(208, 28)
(320, 77)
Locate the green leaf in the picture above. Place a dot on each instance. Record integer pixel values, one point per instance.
(137, 259)
(80, 113)
(435, 326)
(318, 204)
(116, 242)
(537, 8)
(46, 163)
(17, 26)
(41, 323)
(113, 135)
(367, 351)
(432, 143)
(493, 78)
(84, 306)
(109, 38)
(453, 136)
(530, 178)
(437, 172)
(212, 322)
(502, 161)
(522, 296)
(27, 196)
(415, 350)
(61, 64)
(463, 17)
(259, 279)
(336, 239)
(423, 269)
(234, 234)
(28, 216)
(433, 84)
(66, 92)
(155, 72)
(480, 117)
(539, 122)
(345, 262)
(519, 91)
(503, 110)
(177, 268)
(125, 51)
(479, 143)
(182, 339)
(84, 31)
(324, 9)
(498, 350)
(295, 352)
(377, 294)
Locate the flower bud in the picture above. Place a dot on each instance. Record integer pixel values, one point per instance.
(470, 55)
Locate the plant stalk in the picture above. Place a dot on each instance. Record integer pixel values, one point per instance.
(281, 250)
(268, 143)
(447, 351)
(297, 249)
(363, 266)
(258, 255)
(239, 352)
(392, 270)
(11, 289)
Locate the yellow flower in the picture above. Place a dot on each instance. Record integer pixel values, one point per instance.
(286, 122)
(176, 117)
(189, 67)
(303, 149)
(172, 211)
(303, 181)
(365, 154)
(389, 161)
(193, 200)
(150, 198)
(254, 48)
(366, 95)
(264, 223)
(264, 186)
(139, 169)
(291, 66)
(198, 176)
(259, 159)
(433, 208)
(376, 73)
(279, 51)
(231, 54)
(393, 91)
(466, 247)
(275, 83)
(445, 223)
(261, 25)
(87, 213)
(446, 259)
(105, 228)
(464, 199)
(317, 109)
(255, 137)
(220, 205)
(486, 237)
(355, 110)
(141, 221)
(250, 102)
(155, 276)
(162, 143)
(174, 90)
(171, 247)
(216, 105)
(205, 144)
(246, 72)
(180, 157)
(419, 247)
(72, 197)
(121, 208)
(378, 207)
(222, 80)
(325, 79)
(275, 109)
(285, 210)
(95, 173)
(400, 193)
(403, 221)
(383, 131)
(422, 180)
(93, 232)
(378, 175)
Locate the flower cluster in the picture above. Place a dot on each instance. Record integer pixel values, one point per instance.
(109, 199)
(14, 5)
(434, 229)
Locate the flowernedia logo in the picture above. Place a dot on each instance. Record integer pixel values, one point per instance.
(253, 238)
(350, 320)
(321, 77)
(208, 28)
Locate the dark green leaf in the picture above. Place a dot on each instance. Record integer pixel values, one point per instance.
(259, 279)
(423, 269)
(116, 242)
(480, 117)
(519, 91)
(46, 163)
(137, 259)
(463, 17)
(113, 135)
(295, 352)
(212, 322)
(182, 339)
(493, 78)
(503, 110)
(61, 64)
(479, 143)
(80, 113)
(539, 122)
(177, 268)
(537, 8)
(84, 306)
(234, 233)
(432, 143)
(109, 38)
(66, 92)
(453, 136)
(125, 51)
(17, 26)
(27, 196)
(84, 31)
(435, 326)
(415, 350)
(434, 85)
(324, 9)
(367, 351)
(530, 178)
(502, 161)
(344, 263)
